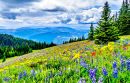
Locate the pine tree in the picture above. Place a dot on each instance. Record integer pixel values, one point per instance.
(106, 31)
(83, 38)
(124, 19)
(91, 34)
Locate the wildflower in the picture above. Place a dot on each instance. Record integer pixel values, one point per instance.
(115, 72)
(6, 79)
(104, 58)
(82, 63)
(24, 73)
(128, 64)
(94, 79)
(121, 56)
(51, 74)
(104, 71)
(125, 43)
(20, 75)
(96, 69)
(114, 64)
(40, 71)
(46, 80)
(92, 61)
(33, 73)
(116, 55)
(125, 57)
(92, 75)
(122, 64)
(81, 81)
(100, 80)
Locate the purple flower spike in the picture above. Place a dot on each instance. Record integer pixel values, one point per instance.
(114, 64)
(128, 64)
(24, 73)
(115, 71)
(104, 71)
(122, 64)
(20, 75)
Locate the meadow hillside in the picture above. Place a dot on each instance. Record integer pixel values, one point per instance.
(78, 62)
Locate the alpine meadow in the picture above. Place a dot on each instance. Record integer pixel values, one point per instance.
(103, 56)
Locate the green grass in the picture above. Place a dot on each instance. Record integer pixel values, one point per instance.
(62, 64)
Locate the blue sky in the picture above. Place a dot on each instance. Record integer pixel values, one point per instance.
(73, 13)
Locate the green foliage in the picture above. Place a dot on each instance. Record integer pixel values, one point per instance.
(124, 19)
(106, 31)
(12, 46)
(91, 34)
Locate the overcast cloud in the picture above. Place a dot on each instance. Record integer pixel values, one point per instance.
(22, 13)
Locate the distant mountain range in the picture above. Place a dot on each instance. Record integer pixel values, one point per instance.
(48, 34)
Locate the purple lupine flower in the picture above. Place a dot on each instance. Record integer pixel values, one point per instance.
(33, 73)
(104, 71)
(114, 64)
(100, 80)
(51, 74)
(60, 73)
(126, 43)
(60, 62)
(20, 75)
(115, 71)
(40, 71)
(122, 64)
(46, 80)
(116, 55)
(96, 69)
(24, 73)
(118, 52)
(92, 74)
(6, 79)
(92, 61)
(81, 81)
(104, 58)
(94, 79)
(82, 63)
(125, 57)
(128, 64)
(121, 56)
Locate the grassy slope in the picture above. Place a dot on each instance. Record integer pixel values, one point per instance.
(66, 51)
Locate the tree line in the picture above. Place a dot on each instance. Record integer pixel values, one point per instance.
(11, 46)
(75, 40)
(111, 27)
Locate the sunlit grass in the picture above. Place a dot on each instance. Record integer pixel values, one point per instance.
(71, 63)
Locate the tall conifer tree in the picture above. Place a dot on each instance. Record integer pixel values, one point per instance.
(106, 31)
(91, 34)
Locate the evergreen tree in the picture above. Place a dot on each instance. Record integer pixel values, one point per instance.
(91, 34)
(105, 31)
(124, 19)
(83, 38)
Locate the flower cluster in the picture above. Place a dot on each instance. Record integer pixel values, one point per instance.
(104, 71)
(22, 75)
(82, 63)
(115, 71)
(128, 64)
(114, 64)
(122, 64)
(92, 75)
(6, 79)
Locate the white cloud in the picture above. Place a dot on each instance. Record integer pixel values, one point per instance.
(85, 9)
(2, 6)
(18, 10)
